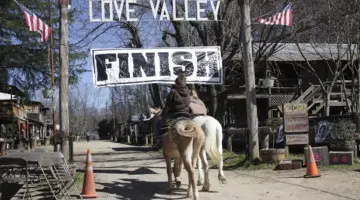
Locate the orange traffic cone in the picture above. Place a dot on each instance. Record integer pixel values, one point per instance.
(88, 190)
(311, 168)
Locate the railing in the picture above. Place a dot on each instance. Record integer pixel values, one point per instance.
(308, 94)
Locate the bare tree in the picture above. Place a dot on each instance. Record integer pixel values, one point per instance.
(84, 104)
(337, 47)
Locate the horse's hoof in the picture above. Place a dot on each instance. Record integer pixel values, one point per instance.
(222, 180)
(169, 191)
(199, 183)
(188, 195)
(206, 187)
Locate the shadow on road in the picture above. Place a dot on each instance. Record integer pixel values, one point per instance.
(131, 159)
(119, 150)
(135, 148)
(139, 171)
(134, 166)
(139, 190)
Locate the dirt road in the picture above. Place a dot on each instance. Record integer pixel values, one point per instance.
(128, 172)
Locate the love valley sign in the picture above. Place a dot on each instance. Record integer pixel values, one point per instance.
(159, 10)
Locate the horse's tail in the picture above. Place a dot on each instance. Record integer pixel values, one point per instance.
(212, 141)
(186, 128)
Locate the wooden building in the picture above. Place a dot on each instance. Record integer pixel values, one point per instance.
(302, 72)
(12, 112)
(36, 115)
(21, 118)
(298, 71)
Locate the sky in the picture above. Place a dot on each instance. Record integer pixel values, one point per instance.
(82, 26)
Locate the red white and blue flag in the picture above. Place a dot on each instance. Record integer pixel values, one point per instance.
(34, 23)
(283, 17)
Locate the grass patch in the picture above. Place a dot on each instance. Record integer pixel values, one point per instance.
(79, 179)
(240, 161)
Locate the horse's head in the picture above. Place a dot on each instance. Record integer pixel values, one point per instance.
(154, 110)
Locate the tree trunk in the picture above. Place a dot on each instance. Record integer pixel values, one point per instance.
(155, 95)
(64, 80)
(251, 107)
(327, 104)
(358, 88)
(213, 100)
(221, 108)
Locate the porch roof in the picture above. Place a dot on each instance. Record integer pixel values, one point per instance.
(311, 51)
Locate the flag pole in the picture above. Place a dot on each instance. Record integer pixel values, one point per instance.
(52, 77)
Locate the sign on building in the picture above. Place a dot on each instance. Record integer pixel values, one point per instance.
(296, 124)
(295, 118)
(116, 67)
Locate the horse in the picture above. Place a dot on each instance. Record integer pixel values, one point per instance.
(183, 142)
(213, 147)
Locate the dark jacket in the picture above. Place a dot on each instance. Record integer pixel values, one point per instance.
(177, 102)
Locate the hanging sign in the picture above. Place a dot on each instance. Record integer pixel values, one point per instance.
(114, 67)
(159, 10)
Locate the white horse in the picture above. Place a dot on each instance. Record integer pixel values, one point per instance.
(213, 147)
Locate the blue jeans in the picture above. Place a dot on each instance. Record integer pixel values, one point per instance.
(159, 127)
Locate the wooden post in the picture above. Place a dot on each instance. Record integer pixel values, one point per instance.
(136, 133)
(152, 139)
(64, 77)
(2, 146)
(251, 107)
(229, 142)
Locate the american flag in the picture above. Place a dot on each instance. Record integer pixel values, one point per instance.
(35, 23)
(283, 17)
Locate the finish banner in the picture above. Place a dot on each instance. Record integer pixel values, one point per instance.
(117, 67)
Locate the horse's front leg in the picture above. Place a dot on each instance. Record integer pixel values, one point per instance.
(169, 174)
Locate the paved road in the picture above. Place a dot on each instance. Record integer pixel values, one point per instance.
(128, 172)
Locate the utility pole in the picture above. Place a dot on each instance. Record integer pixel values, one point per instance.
(64, 76)
(53, 109)
(251, 107)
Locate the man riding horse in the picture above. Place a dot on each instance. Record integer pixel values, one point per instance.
(177, 103)
(180, 103)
